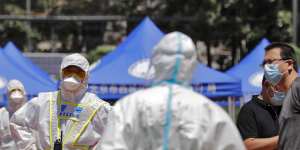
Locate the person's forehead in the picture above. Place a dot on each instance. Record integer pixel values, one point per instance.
(273, 53)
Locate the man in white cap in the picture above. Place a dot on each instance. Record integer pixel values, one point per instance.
(170, 115)
(70, 118)
(16, 95)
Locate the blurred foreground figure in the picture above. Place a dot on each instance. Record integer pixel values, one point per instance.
(170, 115)
(16, 98)
(70, 118)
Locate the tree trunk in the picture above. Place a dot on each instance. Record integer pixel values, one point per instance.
(208, 54)
(233, 51)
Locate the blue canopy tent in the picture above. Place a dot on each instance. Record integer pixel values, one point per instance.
(15, 56)
(124, 70)
(30, 79)
(213, 83)
(106, 77)
(249, 71)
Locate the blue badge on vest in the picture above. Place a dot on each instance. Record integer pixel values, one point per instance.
(77, 112)
(62, 110)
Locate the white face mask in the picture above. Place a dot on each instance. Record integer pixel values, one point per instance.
(272, 73)
(71, 83)
(278, 98)
(16, 97)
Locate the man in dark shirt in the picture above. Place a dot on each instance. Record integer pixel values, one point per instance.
(281, 68)
(258, 121)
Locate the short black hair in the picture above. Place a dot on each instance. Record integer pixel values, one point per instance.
(287, 52)
(264, 79)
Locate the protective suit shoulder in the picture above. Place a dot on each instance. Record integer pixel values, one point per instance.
(6, 139)
(100, 119)
(98, 101)
(122, 123)
(216, 113)
(26, 112)
(3, 121)
(42, 98)
(2, 110)
(222, 132)
(24, 122)
(104, 107)
(34, 105)
(132, 102)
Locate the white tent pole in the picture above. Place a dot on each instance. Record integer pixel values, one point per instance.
(231, 107)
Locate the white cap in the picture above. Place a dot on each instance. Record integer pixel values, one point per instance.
(75, 60)
(15, 84)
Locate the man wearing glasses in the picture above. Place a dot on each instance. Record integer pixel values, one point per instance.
(280, 68)
(258, 120)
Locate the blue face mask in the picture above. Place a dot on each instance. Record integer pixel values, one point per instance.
(278, 98)
(272, 73)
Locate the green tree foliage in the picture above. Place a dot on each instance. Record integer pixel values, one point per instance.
(94, 54)
(229, 22)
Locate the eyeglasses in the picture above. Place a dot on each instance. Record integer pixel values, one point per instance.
(14, 90)
(67, 72)
(270, 61)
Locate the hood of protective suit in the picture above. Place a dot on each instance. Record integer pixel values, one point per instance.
(16, 95)
(81, 62)
(174, 58)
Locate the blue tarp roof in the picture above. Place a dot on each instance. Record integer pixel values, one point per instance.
(17, 58)
(119, 72)
(14, 66)
(213, 83)
(136, 46)
(249, 71)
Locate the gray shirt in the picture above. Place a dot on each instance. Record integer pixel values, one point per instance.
(289, 120)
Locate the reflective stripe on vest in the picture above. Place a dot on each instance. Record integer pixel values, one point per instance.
(90, 108)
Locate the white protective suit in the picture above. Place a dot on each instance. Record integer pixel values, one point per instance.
(80, 115)
(15, 100)
(170, 115)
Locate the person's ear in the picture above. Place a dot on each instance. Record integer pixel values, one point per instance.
(290, 64)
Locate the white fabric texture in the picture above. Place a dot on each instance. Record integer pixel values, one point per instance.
(15, 100)
(138, 121)
(6, 140)
(174, 47)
